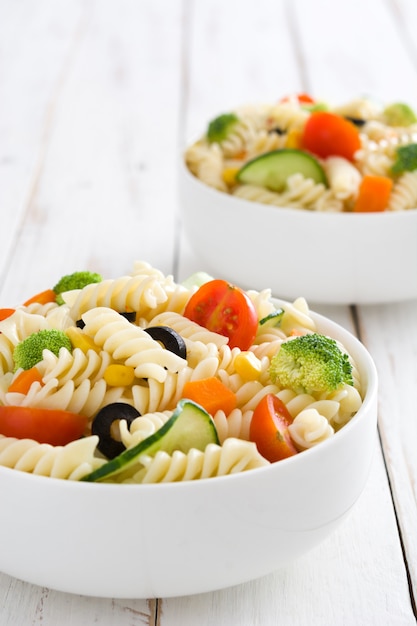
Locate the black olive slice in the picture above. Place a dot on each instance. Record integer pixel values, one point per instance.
(102, 426)
(358, 121)
(80, 324)
(277, 131)
(129, 315)
(170, 339)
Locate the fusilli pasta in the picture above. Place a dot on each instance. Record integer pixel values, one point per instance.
(76, 381)
(260, 130)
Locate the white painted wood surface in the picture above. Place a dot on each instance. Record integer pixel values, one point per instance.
(96, 101)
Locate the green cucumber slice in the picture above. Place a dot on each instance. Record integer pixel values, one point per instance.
(190, 426)
(272, 169)
(274, 318)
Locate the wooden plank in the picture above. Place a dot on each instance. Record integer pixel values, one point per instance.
(35, 44)
(390, 332)
(105, 185)
(38, 605)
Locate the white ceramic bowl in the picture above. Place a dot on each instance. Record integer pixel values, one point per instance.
(334, 258)
(143, 541)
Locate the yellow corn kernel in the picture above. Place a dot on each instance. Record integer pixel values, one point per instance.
(229, 175)
(81, 340)
(293, 139)
(247, 365)
(118, 375)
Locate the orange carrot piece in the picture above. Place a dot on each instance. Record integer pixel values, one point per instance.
(211, 394)
(23, 382)
(374, 193)
(43, 297)
(297, 332)
(5, 313)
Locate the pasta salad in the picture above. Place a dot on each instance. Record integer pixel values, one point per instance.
(142, 379)
(303, 153)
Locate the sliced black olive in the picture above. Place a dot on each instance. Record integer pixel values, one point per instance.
(358, 121)
(80, 324)
(170, 339)
(102, 426)
(129, 315)
(277, 131)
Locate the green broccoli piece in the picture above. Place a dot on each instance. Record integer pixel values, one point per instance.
(77, 280)
(29, 351)
(310, 364)
(406, 160)
(220, 127)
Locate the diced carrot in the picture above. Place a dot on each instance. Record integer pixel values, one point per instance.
(211, 394)
(296, 332)
(43, 297)
(23, 382)
(5, 313)
(374, 193)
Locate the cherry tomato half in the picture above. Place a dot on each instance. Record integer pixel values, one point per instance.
(269, 429)
(43, 425)
(225, 309)
(327, 134)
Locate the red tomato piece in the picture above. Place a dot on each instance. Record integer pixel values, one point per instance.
(327, 134)
(269, 429)
(43, 425)
(225, 309)
(303, 98)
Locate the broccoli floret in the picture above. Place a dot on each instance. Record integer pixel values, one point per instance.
(406, 160)
(77, 280)
(29, 351)
(399, 114)
(219, 128)
(311, 364)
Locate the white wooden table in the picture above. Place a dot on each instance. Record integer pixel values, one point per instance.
(97, 98)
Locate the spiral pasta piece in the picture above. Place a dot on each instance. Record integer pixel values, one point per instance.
(76, 366)
(232, 457)
(287, 116)
(404, 193)
(206, 162)
(236, 424)
(127, 293)
(142, 427)
(86, 399)
(129, 343)
(70, 462)
(309, 428)
(264, 141)
(188, 329)
(300, 193)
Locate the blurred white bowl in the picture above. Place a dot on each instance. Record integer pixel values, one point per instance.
(334, 258)
(143, 541)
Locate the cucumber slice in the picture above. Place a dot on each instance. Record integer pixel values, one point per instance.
(272, 169)
(190, 426)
